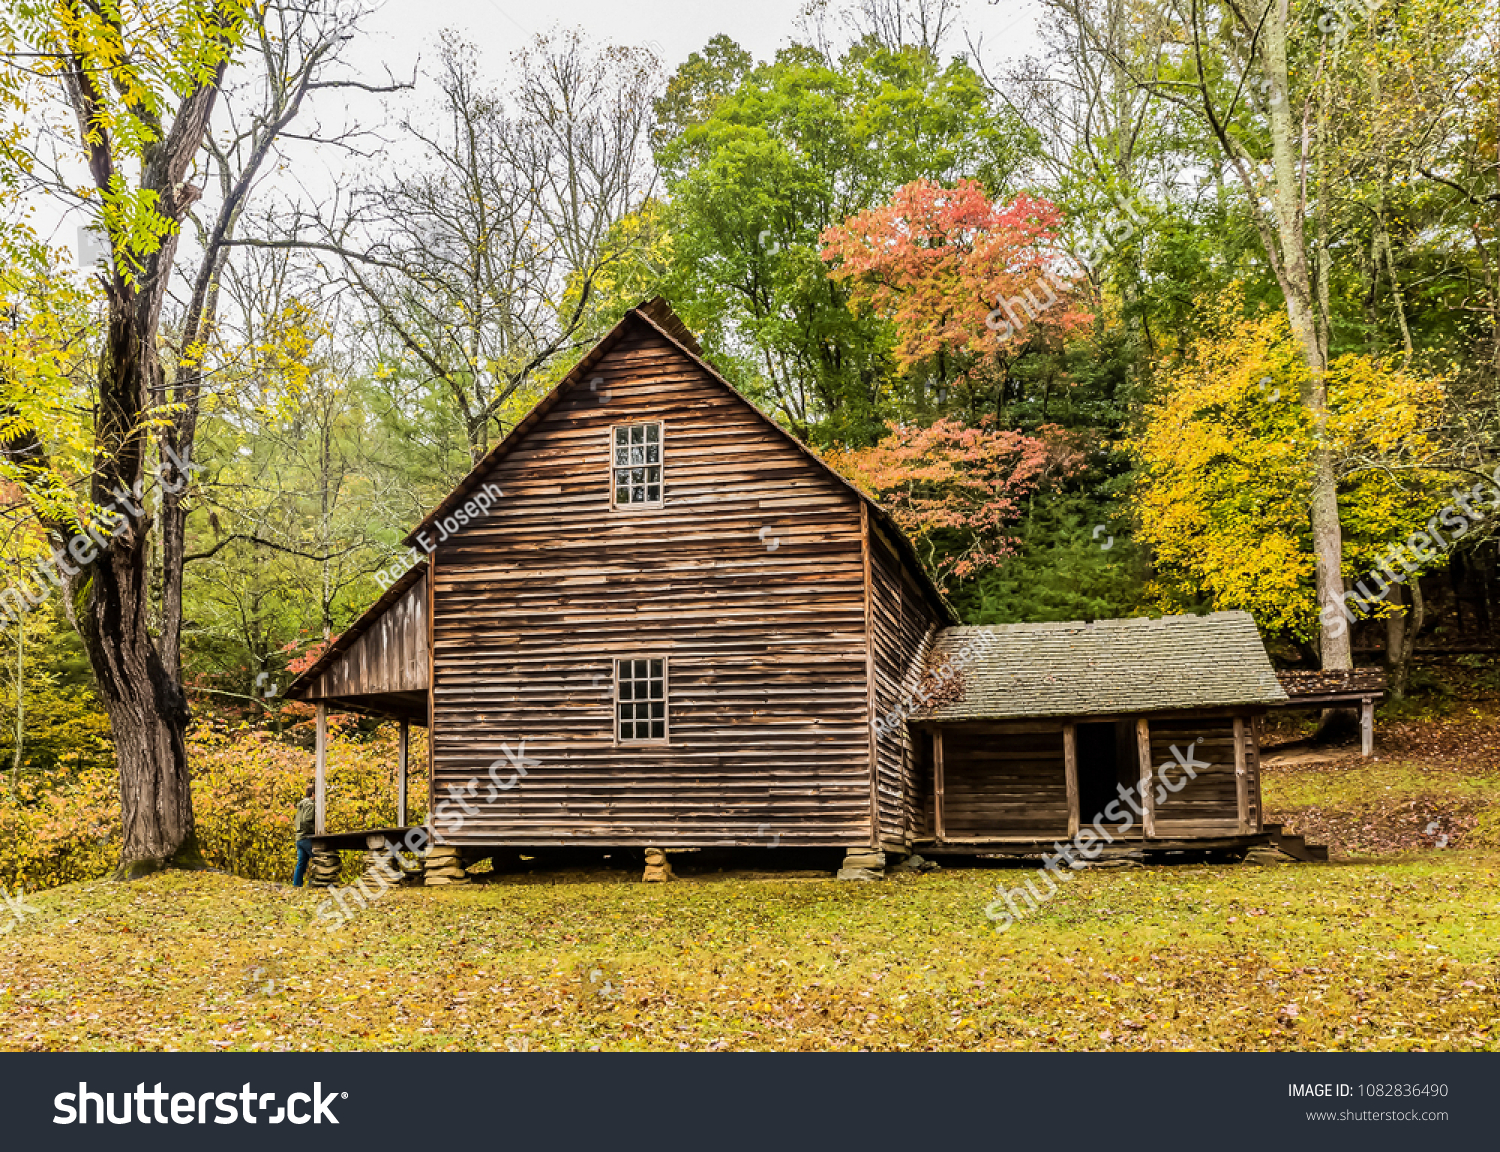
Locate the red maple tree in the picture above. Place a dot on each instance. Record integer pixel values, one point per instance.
(955, 489)
(954, 272)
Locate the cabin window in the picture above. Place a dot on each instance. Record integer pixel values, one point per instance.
(636, 467)
(641, 699)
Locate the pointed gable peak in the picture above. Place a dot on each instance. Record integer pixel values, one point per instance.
(660, 313)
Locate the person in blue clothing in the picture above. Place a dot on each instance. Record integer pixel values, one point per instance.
(305, 823)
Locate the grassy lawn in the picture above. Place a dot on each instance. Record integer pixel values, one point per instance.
(1392, 946)
(1397, 954)
(1435, 780)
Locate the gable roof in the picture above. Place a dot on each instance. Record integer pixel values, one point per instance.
(659, 318)
(1109, 667)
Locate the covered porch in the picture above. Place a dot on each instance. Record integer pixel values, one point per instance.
(1360, 688)
(381, 666)
(1020, 786)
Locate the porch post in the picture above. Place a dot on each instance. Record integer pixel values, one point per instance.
(1241, 776)
(937, 782)
(1147, 793)
(1260, 802)
(1367, 726)
(1070, 771)
(403, 745)
(321, 779)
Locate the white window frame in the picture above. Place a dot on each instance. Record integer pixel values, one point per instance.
(661, 465)
(666, 701)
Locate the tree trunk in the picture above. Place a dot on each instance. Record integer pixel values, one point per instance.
(148, 716)
(111, 603)
(1298, 288)
(15, 764)
(1401, 632)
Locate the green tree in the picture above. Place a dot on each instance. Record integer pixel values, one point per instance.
(760, 161)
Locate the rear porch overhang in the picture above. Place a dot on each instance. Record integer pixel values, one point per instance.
(381, 666)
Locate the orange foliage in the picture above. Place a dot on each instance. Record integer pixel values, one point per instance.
(941, 263)
(954, 489)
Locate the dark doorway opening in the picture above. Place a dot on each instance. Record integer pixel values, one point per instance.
(1098, 769)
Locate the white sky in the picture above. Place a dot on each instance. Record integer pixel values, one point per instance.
(678, 27)
(401, 31)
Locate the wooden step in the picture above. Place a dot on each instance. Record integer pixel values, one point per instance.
(1296, 846)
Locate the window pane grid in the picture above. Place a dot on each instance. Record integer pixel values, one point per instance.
(641, 705)
(637, 464)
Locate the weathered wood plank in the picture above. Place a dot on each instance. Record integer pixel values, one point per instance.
(937, 789)
(1147, 792)
(320, 769)
(1241, 776)
(1070, 766)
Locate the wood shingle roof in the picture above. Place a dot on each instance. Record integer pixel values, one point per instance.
(1108, 667)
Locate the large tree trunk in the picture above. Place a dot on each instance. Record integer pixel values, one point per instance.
(148, 716)
(143, 696)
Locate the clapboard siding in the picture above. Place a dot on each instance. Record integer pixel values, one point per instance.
(920, 622)
(890, 672)
(904, 623)
(749, 581)
(389, 656)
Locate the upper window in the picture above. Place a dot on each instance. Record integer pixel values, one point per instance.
(637, 464)
(641, 699)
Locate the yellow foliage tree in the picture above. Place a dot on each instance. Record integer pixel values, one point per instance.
(1226, 469)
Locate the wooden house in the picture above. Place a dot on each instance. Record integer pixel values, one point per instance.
(650, 617)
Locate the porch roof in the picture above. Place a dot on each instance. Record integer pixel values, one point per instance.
(379, 664)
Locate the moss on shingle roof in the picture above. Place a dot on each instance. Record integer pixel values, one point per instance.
(1109, 667)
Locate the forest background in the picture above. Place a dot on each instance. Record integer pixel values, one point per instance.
(1196, 309)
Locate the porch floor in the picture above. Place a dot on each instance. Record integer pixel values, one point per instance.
(358, 840)
(1031, 846)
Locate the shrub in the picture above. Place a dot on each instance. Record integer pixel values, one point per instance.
(64, 824)
(246, 785)
(59, 825)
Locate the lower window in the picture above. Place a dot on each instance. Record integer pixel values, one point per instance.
(641, 699)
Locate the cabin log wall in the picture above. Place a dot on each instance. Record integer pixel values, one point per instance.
(1208, 803)
(1004, 779)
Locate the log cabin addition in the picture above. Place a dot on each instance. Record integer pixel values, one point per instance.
(676, 628)
(1043, 727)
